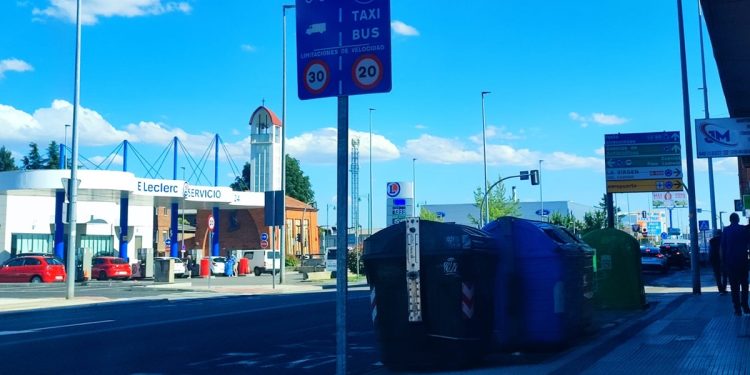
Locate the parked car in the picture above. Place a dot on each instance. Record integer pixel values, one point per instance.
(179, 266)
(653, 259)
(678, 254)
(104, 268)
(32, 268)
(262, 261)
(217, 265)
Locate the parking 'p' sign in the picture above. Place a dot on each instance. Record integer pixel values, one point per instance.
(343, 47)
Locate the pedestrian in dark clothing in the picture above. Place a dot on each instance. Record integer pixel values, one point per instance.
(734, 251)
(714, 256)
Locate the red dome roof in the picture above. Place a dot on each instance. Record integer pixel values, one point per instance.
(274, 119)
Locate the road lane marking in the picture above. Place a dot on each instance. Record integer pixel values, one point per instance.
(33, 330)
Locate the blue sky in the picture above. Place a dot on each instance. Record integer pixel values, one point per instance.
(561, 75)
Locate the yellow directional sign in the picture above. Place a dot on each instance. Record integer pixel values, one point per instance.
(642, 186)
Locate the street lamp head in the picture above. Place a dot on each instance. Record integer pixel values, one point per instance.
(485, 93)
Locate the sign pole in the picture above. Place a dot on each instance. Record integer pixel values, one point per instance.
(693, 215)
(342, 192)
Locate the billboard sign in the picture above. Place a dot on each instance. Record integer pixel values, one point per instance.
(722, 137)
(670, 199)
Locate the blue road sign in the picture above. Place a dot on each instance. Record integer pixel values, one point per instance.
(343, 47)
(264, 236)
(703, 225)
(664, 235)
(653, 227)
(167, 242)
(635, 138)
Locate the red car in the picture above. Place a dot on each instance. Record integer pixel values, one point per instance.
(104, 268)
(32, 268)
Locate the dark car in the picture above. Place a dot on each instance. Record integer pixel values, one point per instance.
(678, 254)
(34, 268)
(653, 260)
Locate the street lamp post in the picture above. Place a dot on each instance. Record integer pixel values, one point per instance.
(541, 199)
(484, 156)
(369, 200)
(65, 147)
(283, 141)
(73, 182)
(414, 186)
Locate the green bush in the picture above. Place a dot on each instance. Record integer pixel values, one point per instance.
(291, 261)
(351, 262)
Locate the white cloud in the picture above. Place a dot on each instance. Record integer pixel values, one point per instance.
(430, 148)
(433, 149)
(420, 126)
(721, 165)
(598, 118)
(494, 132)
(403, 29)
(319, 146)
(248, 48)
(599, 151)
(601, 118)
(49, 122)
(14, 65)
(104, 161)
(93, 9)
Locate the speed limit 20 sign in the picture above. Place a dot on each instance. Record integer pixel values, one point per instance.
(343, 47)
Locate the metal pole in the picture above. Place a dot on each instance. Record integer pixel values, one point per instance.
(342, 191)
(369, 201)
(73, 183)
(610, 210)
(65, 155)
(689, 156)
(711, 192)
(282, 250)
(486, 218)
(541, 199)
(414, 186)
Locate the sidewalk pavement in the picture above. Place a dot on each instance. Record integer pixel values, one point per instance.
(680, 333)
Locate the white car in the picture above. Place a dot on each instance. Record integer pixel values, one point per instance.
(179, 266)
(217, 265)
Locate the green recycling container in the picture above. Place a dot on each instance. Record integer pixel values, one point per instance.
(617, 267)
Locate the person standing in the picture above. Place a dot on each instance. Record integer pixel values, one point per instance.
(714, 256)
(734, 250)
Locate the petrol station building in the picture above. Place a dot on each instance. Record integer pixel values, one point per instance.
(119, 213)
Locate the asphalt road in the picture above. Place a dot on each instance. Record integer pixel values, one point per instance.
(276, 334)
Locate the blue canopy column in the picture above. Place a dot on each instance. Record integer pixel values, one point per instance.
(124, 206)
(215, 242)
(59, 202)
(173, 245)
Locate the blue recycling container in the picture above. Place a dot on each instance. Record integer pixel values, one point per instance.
(456, 296)
(543, 285)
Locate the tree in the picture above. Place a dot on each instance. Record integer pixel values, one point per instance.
(297, 184)
(242, 183)
(593, 221)
(499, 204)
(425, 214)
(7, 162)
(33, 160)
(568, 221)
(603, 207)
(53, 156)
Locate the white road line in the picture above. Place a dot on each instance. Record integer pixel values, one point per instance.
(6, 333)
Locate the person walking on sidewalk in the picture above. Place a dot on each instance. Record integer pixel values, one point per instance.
(714, 255)
(734, 249)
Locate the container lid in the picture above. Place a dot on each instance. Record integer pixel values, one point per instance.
(434, 238)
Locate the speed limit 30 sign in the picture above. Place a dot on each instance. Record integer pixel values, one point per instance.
(317, 76)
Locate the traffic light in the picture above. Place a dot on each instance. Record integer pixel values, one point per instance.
(299, 237)
(534, 177)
